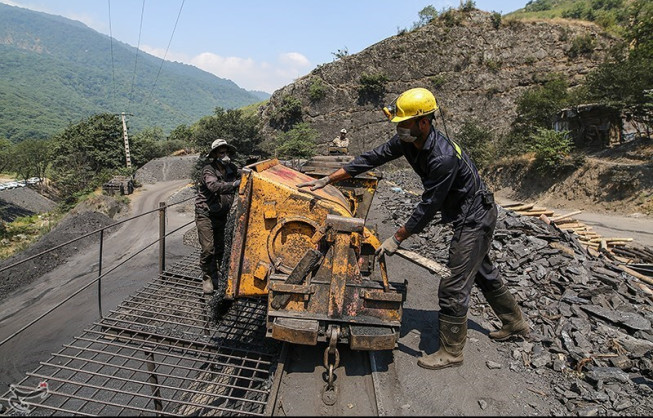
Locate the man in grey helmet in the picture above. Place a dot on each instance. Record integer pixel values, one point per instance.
(218, 182)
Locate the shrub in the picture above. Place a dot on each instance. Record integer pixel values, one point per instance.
(551, 148)
(583, 44)
(372, 88)
(493, 65)
(340, 54)
(478, 143)
(538, 5)
(438, 81)
(450, 18)
(425, 15)
(496, 20)
(298, 142)
(317, 91)
(287, 114)
(467, 5)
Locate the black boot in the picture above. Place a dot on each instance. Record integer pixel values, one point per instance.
(505, 307)
(453, 335)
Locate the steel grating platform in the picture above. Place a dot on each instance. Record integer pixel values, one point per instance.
(158, 353)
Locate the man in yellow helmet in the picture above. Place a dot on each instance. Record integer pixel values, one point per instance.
(452, 186)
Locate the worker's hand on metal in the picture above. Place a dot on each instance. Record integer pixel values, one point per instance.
(389, 246)
(315, 184)
(236, 184)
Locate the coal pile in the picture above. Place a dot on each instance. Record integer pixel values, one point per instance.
(591, 333)
(72, 226)
(166, 169)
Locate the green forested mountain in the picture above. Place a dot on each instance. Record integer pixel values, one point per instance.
(55, 71)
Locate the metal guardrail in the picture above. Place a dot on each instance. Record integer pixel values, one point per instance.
(157, 353)
(161, 241)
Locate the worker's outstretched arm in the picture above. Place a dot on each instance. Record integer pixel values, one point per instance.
(337, 175)
(391, 245)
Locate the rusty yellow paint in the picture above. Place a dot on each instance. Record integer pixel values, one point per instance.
(277, 233)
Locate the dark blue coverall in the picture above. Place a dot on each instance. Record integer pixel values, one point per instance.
(453, 186)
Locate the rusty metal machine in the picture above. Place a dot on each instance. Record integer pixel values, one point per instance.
(312, 256)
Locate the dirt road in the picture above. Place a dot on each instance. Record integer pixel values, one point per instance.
(21, 354)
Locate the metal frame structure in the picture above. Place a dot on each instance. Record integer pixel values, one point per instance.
(159, 353)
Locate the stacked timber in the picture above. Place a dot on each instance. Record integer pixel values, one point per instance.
(591, 240)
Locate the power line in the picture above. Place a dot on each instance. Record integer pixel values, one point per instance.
(167, 48)
(140, 31)
(113, 70)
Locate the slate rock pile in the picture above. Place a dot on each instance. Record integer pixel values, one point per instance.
(590, 321)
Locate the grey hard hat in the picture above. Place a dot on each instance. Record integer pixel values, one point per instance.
(220, 143)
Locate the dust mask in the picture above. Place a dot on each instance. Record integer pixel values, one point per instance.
(404, 135)
(225, 159)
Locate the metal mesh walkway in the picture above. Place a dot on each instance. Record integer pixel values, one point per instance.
(158, 354)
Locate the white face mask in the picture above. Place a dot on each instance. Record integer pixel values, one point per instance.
(404, 135)
(225, 159)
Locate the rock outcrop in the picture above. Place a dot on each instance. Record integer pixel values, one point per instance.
(476, 67)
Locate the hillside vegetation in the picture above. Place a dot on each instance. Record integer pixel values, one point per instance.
(57, 71)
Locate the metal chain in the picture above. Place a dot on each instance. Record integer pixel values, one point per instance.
(331, 351)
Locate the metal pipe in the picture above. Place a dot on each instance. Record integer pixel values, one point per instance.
(162, 235)
(99, 274)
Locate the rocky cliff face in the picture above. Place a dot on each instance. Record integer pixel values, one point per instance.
(475, 68)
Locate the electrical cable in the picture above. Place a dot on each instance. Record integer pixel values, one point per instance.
(166, 53)
(140, 31)
(113, 70)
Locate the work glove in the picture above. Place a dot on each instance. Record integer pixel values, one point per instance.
(236, 184)
(315, 184)
(389, 246)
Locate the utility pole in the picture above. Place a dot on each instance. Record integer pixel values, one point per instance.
(124, 133)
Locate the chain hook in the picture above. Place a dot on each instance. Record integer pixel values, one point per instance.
(331, 352)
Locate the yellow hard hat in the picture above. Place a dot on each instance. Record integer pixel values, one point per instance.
(411, 104)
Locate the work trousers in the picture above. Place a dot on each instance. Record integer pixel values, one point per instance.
(210, 232)
(469, 263)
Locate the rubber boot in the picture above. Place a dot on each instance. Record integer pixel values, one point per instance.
(207, 284)
(505, 307)
(453, 335)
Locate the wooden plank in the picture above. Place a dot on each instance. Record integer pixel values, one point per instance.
(431, 265)
(561, 217)
(637, 275)
(522, 207)
(612, 239)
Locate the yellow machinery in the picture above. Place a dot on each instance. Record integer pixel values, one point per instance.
(313, 259)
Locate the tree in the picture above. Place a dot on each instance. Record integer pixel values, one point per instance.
(426, 15)
(299, 142)
(84, 155)
(536, 108)
(5, 154)
(625, 78)
(240, 131)
(477, 142)
(30, 158)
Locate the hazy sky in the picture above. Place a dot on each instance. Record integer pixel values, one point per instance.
(260, 45)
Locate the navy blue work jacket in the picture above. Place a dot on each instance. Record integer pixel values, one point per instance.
(449, 177)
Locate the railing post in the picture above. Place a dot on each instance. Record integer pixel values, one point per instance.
(162, 237)
(99, 274)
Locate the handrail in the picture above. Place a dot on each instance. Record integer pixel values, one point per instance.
(161, 239)
(87, 235)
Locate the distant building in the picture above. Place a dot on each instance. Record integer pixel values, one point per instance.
(591, 125)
